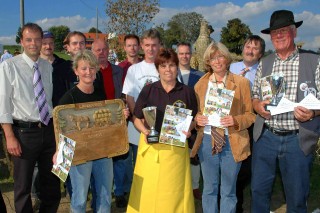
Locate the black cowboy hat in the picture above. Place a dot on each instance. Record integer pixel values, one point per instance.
(279, 19)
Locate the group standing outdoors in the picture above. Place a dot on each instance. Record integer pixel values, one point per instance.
(245, 148)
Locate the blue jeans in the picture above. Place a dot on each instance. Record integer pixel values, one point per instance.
(102, 172)
(129, 167)
(219, 170)
(122, 181)
(294, 167)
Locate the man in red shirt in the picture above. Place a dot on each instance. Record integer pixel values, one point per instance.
(110, 77)
(131, 47)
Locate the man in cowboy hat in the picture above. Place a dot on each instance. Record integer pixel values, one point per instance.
(290, 137)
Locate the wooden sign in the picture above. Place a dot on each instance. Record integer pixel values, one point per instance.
(99, 129)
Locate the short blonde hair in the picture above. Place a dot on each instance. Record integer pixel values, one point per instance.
(85, 55)
(211, 50)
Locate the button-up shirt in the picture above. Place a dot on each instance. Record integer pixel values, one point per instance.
(17, 96)
(238, 67)
(290, 69)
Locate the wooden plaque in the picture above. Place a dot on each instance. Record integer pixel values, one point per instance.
(99, 129)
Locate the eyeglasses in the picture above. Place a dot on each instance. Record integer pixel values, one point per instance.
(281, 31)
(218, 57)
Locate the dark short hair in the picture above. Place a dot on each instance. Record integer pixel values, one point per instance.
(165, 55)
(256, 39)
(184, 44)
(151, 33)
(33, 27)
(71, 34)
(132, 36)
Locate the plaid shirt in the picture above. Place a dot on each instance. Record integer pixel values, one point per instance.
(290, 68)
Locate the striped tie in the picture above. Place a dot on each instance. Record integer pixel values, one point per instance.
(244, 71)
(219, 140)
(40, 96)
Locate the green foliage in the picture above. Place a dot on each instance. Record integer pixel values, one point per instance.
(59, 32)
(18, 35)
(181, 27)
(234, 34)
(130, 16)
(94, 30)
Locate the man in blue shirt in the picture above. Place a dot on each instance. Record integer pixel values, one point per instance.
(252, 52)
(5, 56)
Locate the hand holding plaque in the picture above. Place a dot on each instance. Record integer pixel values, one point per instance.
(272, 88)
(150, 117)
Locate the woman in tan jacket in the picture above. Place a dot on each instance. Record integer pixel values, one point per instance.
(221, 150)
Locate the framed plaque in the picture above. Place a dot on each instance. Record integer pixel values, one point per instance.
(99, 129)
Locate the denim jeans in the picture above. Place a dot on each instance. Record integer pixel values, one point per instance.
(129, 166)
(219, 170)
(294, 167)
(102, 173)
(122, 180)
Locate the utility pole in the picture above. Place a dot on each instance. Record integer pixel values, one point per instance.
(97, 25)
(21, 17)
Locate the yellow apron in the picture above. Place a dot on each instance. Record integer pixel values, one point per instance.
(162, 180)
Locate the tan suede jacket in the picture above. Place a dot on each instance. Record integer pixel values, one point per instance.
(241, 110)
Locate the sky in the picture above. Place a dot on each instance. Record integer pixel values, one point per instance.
(81, 15)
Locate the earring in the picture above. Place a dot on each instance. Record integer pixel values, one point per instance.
(77, 78)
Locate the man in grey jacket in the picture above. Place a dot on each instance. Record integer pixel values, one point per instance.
(288, 138)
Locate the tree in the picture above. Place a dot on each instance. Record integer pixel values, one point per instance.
(94, 30)
(183, 27)
(18, 35)
(59, 32)
(234, 35)
(130, 16)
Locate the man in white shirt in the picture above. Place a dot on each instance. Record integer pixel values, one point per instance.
(26, 124)
(141, 74)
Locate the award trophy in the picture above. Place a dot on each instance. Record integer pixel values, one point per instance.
(150, 117)
(276, 82)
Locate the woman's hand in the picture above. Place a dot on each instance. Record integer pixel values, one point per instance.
(201, 120)
(188, 134)
(126, 112)
(54, 158)
(146, 133)
(227, 121)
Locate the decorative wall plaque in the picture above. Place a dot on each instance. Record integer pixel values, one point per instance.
(99, 129)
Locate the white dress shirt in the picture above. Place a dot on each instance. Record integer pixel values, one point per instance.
(17, 98)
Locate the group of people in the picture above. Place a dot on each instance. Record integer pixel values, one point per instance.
(34, 82)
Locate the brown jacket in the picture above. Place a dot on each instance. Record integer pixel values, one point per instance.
(241, 110)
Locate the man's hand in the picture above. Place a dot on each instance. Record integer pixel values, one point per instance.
(259, 107)
(303, 114)
(13, 145)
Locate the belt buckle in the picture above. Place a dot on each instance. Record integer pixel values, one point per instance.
(39, 124)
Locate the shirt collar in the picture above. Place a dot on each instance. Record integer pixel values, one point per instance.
(254, 67)
(28, 60)
(291, 56)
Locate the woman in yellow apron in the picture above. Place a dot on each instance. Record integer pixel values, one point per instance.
(162, 179)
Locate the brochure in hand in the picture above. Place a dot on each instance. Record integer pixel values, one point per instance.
(217, 104)
(175, 121)
(64, 157)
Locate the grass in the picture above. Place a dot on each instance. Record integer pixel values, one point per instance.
(12, 48)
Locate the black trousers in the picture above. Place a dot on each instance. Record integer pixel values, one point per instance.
(2, 204)
(38, 145)
(244, 176)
